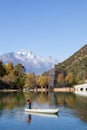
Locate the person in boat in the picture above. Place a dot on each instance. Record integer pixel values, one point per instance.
(29, 103)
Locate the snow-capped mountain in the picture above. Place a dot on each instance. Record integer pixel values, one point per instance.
(32, 63)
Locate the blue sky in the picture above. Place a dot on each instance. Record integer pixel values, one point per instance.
(56, 28)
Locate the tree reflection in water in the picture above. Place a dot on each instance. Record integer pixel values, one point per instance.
(77, 104)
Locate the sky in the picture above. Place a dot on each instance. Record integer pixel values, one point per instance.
(56, 28)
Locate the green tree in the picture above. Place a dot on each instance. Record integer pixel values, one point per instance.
(2, 69)
(19, 73)
(19, 70)
(10, 80)
(60, 78)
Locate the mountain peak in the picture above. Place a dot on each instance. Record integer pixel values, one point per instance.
(32, 63)
(25, 53)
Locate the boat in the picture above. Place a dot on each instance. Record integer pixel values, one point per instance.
(45, 111)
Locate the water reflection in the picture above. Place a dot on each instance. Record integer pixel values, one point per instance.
(41, 115)
(29, 118)
(10, 100)
(77, 104)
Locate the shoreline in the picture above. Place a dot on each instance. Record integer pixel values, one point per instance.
(64, 90)
(10, 90)
(40, 90)
(51, 90)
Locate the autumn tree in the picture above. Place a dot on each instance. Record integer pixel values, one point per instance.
(61, 80)
(43, 81)
(70, 78)
(9, 68)
(30, 81)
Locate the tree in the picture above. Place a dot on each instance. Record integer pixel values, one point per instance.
(19, 70)
(2, 69)
(9, 68)
(70, 78)
(30, 81)
(19, 73)
(60, 78)
(10, 80)
(43, 81)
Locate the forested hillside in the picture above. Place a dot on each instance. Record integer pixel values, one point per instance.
(76, 64)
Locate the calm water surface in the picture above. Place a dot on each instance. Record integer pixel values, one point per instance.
(72, 114)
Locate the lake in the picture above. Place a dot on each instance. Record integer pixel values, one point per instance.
(72, 114)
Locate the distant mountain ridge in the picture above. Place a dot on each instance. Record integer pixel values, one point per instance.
(76, 57)
(32, 63)
(77, 63)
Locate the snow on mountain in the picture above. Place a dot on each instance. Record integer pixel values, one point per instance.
(32, 63)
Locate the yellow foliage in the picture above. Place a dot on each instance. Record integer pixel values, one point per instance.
(30, 80)
(9, 68)
(70, 78)
(43, 81)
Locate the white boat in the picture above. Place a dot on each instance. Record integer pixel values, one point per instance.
(45, 111)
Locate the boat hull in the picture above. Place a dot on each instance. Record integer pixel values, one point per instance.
(45, 111)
